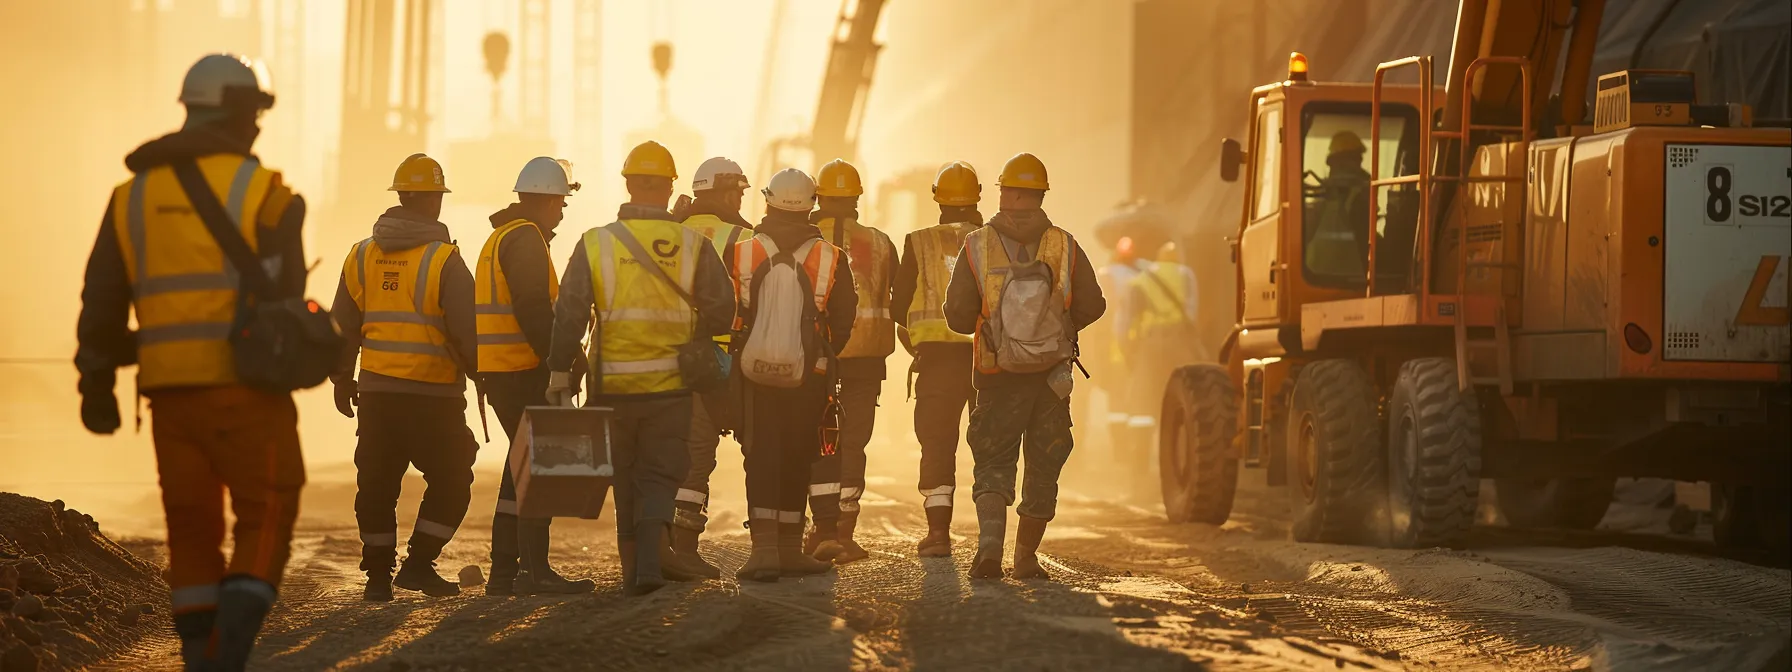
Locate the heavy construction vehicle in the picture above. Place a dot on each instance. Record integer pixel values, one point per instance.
(1506, 291)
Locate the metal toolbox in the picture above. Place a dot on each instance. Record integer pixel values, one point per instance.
(561, 462)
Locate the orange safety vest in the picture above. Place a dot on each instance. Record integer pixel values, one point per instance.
(870, 254)
(404, 331)
(750, 254)
(502, 345)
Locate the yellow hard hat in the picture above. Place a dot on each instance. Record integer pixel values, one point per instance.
(418, 172)
(956, 184)
(1347, 141)
(650, 158)
(1025, 171)
(838, 178)
(1168, 252)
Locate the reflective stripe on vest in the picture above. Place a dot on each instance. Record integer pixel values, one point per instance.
(989, 262)
(1160, 309)
(643, 320)
(722, 236)
(183, 289)
(403, 331)
(750, 254)
(870, 254)
(936, 250)
(502, 344)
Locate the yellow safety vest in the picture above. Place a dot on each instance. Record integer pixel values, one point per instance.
(502, 345)
(642, 320)
(403, 331)
(722, 236)
(1161, 309)
(868, 253)
(989, 261)
(936, 254)
(184, 291)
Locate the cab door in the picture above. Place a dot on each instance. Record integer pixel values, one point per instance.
(1259, 255)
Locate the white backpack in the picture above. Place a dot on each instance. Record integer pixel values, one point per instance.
(781, 333)
(1029, 330)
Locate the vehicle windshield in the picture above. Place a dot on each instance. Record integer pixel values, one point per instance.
(1335, 179)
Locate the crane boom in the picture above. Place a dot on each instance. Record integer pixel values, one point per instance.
(847, 82)
(1537, 30)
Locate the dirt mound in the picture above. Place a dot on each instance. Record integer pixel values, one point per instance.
(69, 596)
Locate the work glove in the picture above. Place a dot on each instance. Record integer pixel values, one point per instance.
(348, 396)
(99, 413)
(560, 389)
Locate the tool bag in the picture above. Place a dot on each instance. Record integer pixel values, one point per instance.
(1029, 330)
(780, 334)
(701, 363)
(280, 344)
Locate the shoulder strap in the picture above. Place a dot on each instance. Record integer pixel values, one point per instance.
(223, 229)
(734, 236)
(627, 238)
(1017, 252)
(1181, 303)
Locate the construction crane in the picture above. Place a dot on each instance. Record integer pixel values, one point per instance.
(376, 131)
(845, 86)
(487, 166)
(1524, 290)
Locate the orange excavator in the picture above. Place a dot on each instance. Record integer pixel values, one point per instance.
(1500, 281)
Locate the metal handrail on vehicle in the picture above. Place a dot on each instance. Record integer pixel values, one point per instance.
(1503, 353)
(1422, 178)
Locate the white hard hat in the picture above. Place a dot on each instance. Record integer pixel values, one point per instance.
(713, 168)
(792, 190)
(543, 175)
(209, 79)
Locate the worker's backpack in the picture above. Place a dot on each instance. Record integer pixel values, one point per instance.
(1029, 329)
(780, 334)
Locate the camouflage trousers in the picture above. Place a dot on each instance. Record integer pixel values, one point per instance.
(1026, 419)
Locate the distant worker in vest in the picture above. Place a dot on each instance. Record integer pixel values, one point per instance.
(942, 367)
(838, 481)
(656, 286)
(719, 187)
(1160, 335)
(1024, 288)
(796, 308)
(515, 285)
(405, 306)
(212, 434)
(1108, 345)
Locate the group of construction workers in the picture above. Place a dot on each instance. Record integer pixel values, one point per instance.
(685, 323)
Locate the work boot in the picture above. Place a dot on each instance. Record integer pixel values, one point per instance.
(762, 564)
(679, 567)
(1026, 549)
(420, 575)
(625, 556)
(650, 548)
(822, 542)
(195, 629)
(243, 604)
(992, 523)
(850, 551)
(684, 544)
(504, 556)
(938, 542)
(792, 561)
(537, 577)
(500, 586)
(379, 587)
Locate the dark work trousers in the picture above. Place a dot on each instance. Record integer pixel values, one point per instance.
(1026, 417)
(693, 495)
(397, 431)
(783, 439)
(648, 446)
(836, 482)
(943, 387)
(509, 393)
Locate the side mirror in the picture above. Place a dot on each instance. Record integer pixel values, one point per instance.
(1231, 159)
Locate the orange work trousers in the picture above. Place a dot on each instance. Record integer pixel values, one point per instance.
(209, 440)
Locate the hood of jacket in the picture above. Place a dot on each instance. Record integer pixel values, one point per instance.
(181, 145)
(634, 211)
(787, 229)
(1023, 226)
(964, 214)
(516, 211)
(726, 214)
(402, 229)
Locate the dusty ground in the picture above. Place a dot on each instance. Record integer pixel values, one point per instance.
(1133, 592)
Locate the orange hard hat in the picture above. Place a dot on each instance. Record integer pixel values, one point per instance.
(1123, 250)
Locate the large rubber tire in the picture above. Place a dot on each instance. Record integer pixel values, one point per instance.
(1562, 503)
(1197, 467)
(1434, 456)
(1336, 470)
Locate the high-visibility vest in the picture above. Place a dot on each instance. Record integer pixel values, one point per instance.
(404, 333)
(184, 291)
(751, 253)
(989, 262)
(936, 255)
(502, 345)
(1162, 309)
(643, 321)
(723, 236)
(869, 253)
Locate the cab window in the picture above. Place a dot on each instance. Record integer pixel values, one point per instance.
(1335, 175)
(1268, 155)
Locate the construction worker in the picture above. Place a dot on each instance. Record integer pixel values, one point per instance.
(1019, 408)
(643, 320)
(1338, 244)
(1115, 279)
(783, 424)
(942, 366)
(718, 187)
(1158, 323)
(212, 434)
(837, 481)
(405, 306)
(515, 287)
